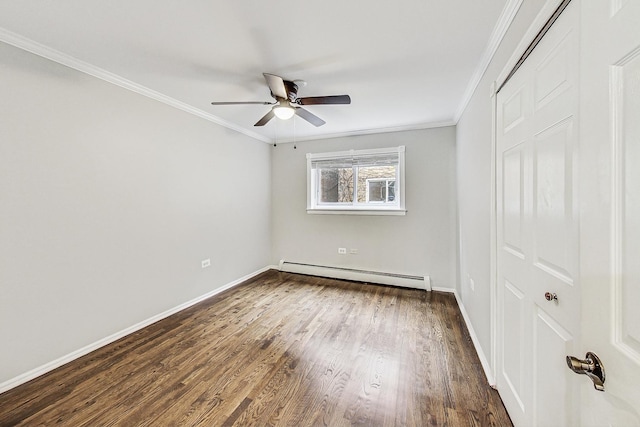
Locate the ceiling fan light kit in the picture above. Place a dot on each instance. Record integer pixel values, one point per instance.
(284, 112)
(285, 93)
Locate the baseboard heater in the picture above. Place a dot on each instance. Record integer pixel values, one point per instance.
(406, 281)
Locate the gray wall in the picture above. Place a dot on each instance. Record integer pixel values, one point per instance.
(108, 202)
(474, 183)
(422, 242)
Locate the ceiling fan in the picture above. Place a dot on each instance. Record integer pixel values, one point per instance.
(287, 104)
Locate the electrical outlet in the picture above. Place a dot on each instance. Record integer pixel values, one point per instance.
(342, 251)
(206, 263)
(353, 251)
(472, 284)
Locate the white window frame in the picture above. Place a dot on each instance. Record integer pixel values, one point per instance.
(355, 208)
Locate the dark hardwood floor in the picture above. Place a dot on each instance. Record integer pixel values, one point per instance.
(279, 350)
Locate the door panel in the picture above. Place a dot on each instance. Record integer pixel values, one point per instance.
(513, 201)
(553, 399)
(554, 74)
(514, 346)
(552, 207)
(627, 100)
(513, 111)
(537, 230)
(610, 208)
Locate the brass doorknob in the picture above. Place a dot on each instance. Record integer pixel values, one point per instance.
(591, 366)
(550, 296)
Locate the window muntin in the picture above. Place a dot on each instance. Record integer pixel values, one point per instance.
(356, 180)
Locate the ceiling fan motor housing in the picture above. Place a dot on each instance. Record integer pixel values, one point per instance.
(292, 90)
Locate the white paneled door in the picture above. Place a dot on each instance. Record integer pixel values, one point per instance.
(610, 208)
(538, 230)
(568, 221)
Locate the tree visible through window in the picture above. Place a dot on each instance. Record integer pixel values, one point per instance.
(336, 185)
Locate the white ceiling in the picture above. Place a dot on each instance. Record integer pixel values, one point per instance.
(406, 63)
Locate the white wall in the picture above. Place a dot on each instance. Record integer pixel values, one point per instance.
(422, 242)
(108, 202)
(474, 182)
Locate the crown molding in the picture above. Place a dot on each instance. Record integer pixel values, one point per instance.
(39, 49)
(403, 128)
(499, 32)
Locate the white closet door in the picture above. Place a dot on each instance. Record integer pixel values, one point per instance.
(538, 231)
(610, 209)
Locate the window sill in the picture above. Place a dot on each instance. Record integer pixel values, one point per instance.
(352, 211)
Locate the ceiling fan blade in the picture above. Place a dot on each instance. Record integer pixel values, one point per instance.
(318, 100)
(276, 85)
(310, 117)
(264, 120)
(243, 103)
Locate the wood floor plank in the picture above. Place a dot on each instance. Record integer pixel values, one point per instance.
(278, 350)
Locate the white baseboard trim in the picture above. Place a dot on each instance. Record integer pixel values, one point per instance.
(41, 370)
(486, 366)
(357, 275)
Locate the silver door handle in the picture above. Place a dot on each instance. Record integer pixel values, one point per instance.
(591, 366)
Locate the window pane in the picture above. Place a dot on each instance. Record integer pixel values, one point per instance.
(377, 191)
(380, 174)
(391, 190)
(336, 185)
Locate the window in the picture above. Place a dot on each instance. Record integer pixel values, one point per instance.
(356, 181)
